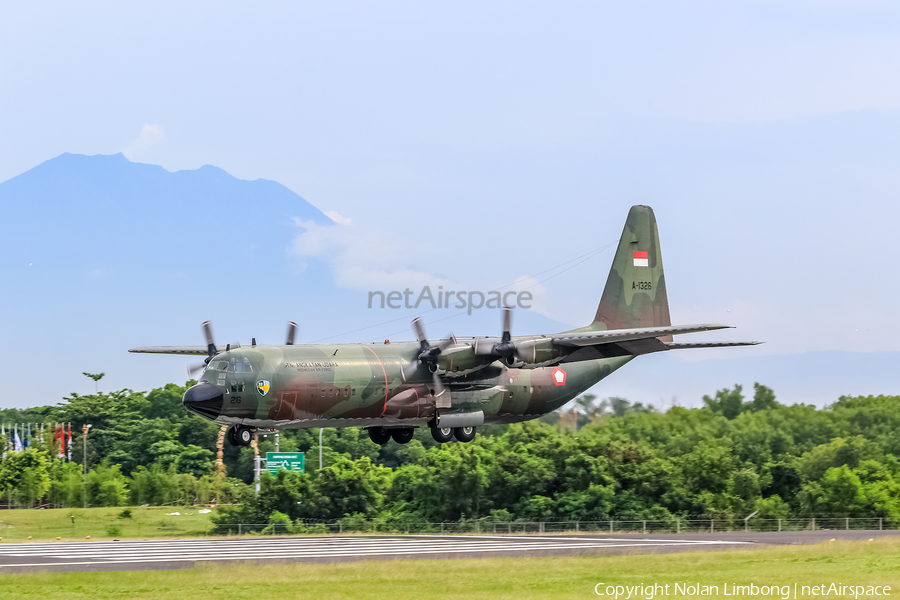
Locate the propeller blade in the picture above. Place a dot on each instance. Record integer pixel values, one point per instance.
(448, 343)
(420, 331)
(439, 388)
(507, 322)
(194, 369)
(210, 344)
(291, 333)
(409, 370)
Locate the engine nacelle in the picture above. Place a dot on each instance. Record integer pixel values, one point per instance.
(536, 351)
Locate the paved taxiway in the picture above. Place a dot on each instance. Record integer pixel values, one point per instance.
(179, 554)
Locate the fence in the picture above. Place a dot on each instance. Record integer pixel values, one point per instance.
(198, 526)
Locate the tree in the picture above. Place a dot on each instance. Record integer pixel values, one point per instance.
(195, 460)
(96, 377)
(27, 472)
(763, 398)
(727, 403)
(838, 494)
(106, 486)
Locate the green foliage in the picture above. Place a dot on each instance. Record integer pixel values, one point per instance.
(28, 473)
(106, 486)
(602, 459)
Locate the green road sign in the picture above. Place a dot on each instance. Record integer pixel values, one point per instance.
(292, 461)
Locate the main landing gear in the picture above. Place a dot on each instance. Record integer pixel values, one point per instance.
(464, 434)
(239, 435)
(382, 436)
(442, 435)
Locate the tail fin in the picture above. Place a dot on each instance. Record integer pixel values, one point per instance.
(635, 293)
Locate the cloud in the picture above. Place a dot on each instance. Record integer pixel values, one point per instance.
(358, 257)
(150, 136)
(338, 218)
(367, 259)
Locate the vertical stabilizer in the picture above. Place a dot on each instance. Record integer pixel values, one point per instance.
(635, 292)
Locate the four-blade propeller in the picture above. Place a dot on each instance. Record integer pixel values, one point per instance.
(428, 356)
(505, 348)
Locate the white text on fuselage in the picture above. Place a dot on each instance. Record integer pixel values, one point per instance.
(311, 366)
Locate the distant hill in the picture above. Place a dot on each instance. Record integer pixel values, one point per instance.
(106, 213)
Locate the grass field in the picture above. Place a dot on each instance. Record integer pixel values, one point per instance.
(76, 523)
(847, 563)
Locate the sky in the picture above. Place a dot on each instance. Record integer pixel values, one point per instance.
(485, 142)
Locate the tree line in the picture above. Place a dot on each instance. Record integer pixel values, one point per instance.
(599, 459)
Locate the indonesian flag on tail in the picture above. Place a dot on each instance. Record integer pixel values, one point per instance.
(641, 259)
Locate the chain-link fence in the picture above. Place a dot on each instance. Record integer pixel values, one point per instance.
(612, 526)
(171, 527)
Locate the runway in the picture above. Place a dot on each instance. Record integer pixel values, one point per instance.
(185, 553)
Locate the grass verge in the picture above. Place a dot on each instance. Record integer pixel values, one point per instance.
(874, 563)
(76, 523)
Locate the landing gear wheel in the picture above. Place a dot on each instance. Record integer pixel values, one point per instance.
(402, 436)
(243, 435)
(464, 434)
(442, 435)
(229, 435)
(379, 435)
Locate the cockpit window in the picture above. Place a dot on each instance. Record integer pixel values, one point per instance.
(221, 365)
(240, 365)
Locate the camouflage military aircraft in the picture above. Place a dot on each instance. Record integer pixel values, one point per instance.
(452, 385)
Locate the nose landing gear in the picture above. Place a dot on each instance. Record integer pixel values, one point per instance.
(239, 435)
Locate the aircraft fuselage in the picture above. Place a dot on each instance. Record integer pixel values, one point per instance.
(363, 385)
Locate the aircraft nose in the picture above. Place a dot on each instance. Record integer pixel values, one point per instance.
(205, 399)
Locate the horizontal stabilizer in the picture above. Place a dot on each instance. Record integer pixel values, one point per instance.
(595, 338)
(182, 350)
(689, 345)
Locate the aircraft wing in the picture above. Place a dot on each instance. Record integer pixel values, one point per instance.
(595, 338)
(686, 346)
(183, 350)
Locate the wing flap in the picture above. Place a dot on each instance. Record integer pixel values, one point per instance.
(182, 350)
(690, 345)
(595, 338)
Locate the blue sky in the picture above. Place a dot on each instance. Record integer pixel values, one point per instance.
(512, 137)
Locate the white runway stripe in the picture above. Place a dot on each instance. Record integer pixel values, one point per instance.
(157, 551)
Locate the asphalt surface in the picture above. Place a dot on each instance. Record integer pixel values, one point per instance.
(133, 555)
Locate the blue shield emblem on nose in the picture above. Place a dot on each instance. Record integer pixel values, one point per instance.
(262, 387)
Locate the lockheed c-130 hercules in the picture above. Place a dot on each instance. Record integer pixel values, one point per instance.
(452, 385)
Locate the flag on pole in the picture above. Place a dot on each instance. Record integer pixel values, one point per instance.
(3, 435)
(18, 442)
(70, 442)
(61, 442)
